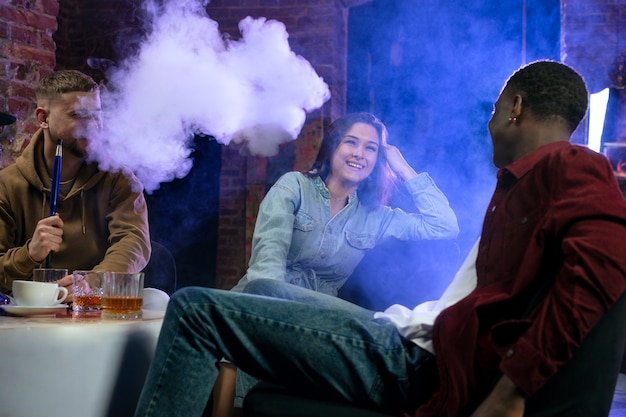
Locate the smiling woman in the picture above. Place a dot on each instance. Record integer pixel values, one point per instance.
(314, 228)
(352, 162)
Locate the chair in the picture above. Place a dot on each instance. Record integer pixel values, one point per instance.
(160, 272)
(155, 299)
(590, 378)
(595, 364)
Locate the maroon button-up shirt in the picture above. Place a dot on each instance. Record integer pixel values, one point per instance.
(557, 216)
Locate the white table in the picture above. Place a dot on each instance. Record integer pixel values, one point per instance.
(64, 366)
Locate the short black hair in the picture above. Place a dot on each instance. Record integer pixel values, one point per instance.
(550, 89)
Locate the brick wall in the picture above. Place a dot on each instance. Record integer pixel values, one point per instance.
(95, 29)
(593, 40)
(26, 54)
(593, 37)
(102, 29)
(317, 31)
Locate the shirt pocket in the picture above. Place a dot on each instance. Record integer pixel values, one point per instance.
(357, 244)
(303, 222)
(303, 239)
(360, 241)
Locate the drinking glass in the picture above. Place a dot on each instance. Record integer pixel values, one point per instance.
(48, 274)
(122, 295)
(87, 288)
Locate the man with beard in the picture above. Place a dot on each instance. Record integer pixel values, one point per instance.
(101, 221)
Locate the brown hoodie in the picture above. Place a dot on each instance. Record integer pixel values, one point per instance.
(104, 214)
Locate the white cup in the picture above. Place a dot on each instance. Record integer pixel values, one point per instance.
(38, 294)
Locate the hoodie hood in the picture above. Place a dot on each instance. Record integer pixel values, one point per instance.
(32, 166)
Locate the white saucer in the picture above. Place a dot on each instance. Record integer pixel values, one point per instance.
(34, 311)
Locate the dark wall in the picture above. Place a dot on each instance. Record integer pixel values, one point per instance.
(431, 70)
(183, 216)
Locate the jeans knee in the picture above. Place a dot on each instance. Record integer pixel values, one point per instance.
(190, 295)
(181, 294)
(269, 287)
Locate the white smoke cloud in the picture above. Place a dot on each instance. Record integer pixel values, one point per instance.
(187, 78)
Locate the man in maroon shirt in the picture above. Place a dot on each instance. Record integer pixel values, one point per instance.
(556, 218)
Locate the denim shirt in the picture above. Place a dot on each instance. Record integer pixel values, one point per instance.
(296, 240)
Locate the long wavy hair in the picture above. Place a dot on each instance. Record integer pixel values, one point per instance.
(374, 190)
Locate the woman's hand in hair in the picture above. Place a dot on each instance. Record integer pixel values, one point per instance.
(398, 164)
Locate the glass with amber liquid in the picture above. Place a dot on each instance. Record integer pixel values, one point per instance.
(122, 295)
(87, 290)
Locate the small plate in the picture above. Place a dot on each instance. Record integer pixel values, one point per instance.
(34, 311)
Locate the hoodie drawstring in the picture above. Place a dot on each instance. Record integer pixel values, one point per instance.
(43, 202)
(82, 203)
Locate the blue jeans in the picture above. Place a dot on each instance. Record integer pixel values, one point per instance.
(303, 340)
